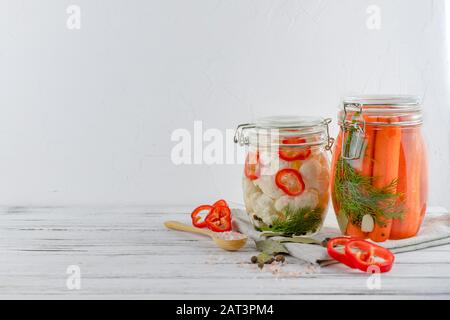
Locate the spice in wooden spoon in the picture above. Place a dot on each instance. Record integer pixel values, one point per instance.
(228, 240)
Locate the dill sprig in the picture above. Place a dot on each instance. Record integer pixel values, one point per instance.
(357, 196)
(296, 221)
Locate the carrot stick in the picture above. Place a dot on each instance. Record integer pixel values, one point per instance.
(423, 180)
(409, 185)
(397, 228)
(413, 205)
(367, 165)
(355, 231)
(385, 170)
(366, 169)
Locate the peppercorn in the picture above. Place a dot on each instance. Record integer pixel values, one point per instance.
(254, 259)
(279, 258)
(325, 242)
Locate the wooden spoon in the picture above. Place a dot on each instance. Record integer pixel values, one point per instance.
(226, 244)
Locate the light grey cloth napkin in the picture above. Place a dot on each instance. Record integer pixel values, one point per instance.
(435, 231)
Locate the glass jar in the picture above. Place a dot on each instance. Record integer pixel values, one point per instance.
(379, 178)
(286, 173)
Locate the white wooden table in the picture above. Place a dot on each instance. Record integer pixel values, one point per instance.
(125, 252)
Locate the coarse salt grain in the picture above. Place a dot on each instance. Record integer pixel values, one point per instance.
(230, 235)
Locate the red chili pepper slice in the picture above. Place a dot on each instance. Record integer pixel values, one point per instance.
(252, 167)
(364, 254)
(290, 181)
(220, 202)
(219, 219)
(341, 255)
(291, 153)
(196, 218)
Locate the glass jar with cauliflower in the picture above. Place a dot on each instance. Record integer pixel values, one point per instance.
(286, 174)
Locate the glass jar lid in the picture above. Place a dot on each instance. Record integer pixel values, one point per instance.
(311, 131)
(288, 122)
(391, 110)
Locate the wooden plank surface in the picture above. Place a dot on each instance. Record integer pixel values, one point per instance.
(125, 252)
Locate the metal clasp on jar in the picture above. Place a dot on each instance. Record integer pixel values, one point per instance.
(353, 133)
(330, 140)
(239, 136)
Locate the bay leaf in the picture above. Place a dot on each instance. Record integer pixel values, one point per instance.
(304, 240)
(270, 247)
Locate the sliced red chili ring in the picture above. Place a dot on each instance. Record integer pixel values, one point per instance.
(364, 254)
(340, 256)
(220, 202)
(196, 217)
(290, 181)
(252, 167)
(291, 153)
(219, 219)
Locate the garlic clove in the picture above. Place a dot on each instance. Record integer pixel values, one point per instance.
(367, 223)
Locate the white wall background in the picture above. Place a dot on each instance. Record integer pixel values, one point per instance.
(86, 115)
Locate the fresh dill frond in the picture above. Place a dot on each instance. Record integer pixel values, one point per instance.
(357, 196)
(297, 221)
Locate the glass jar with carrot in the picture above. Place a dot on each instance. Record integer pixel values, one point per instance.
(286, 173)
(379, 178)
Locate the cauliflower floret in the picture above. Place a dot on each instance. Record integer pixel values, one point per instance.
(248, 186)
(283, 202)
(310, 170)
(268, 186)
(315, 175)
(250, 191)
(263, 208)
(322, 183)
(271, 163)
(309, 198)
(250, 200)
